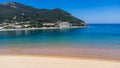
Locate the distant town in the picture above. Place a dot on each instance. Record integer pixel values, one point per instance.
(27, 24)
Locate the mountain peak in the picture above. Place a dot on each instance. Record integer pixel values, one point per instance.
(58, 9)
(11, 4)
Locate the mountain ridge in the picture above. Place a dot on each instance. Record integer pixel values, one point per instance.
(17, 12)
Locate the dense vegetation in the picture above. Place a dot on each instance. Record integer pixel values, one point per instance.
(15, 12)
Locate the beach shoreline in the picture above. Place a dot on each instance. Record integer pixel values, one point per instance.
(77, 52)
(59, 57)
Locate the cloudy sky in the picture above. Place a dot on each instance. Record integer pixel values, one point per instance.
(91, 11)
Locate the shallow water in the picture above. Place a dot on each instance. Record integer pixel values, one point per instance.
(96, 35)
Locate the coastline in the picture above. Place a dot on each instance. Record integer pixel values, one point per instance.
(77, 52)
(59, 57)
(44, 28)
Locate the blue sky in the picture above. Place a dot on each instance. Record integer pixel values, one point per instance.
(91, 11)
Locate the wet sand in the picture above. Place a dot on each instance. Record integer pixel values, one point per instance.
(100, 53)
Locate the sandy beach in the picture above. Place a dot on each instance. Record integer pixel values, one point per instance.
(59, 57)
(17, 61)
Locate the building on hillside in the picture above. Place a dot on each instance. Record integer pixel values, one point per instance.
(18, 26)
(48, 25)
(64, 24)
(4, 23)
(26, 26)
(1, 26)
(11, 25)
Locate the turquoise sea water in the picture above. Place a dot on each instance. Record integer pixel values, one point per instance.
(96, 35)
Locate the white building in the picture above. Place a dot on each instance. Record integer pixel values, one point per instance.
(1, 27)
(11, 25)
(48, 24)
(64, 24)
(18, 26)
(26, 26)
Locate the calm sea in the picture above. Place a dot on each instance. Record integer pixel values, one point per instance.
(96, 35)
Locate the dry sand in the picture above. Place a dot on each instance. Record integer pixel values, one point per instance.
(12, 61)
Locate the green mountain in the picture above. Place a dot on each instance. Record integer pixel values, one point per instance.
(15, 12)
